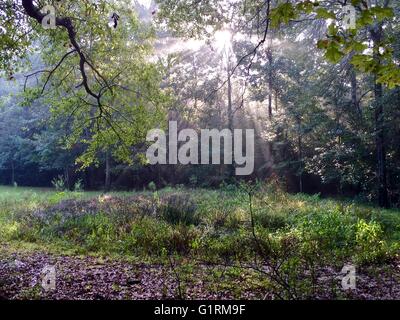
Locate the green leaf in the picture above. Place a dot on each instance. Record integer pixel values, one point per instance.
(333, 54)
(365, 19)
(382, 13)
(282, 14)
(389, 75)
(324, 14)
(364, 63)
(332, 30)
(355, 46)
(306, 6)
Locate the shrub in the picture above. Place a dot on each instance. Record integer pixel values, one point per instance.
(216, 218)
(78, 186)
(152, 186)
(331, 231)
(59, 183)
(101, 233)
(182, 239)
(271, 221)
(228, 246)
(193, 181)
(389, 221)
(179, 209)
(89, 232)
(149, 236)
(9, 230)
(236, 219)
(227, 187)
(369, 240)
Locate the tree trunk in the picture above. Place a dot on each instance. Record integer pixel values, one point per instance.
(383, 198)
(270, 81)
(270, 106)
(12, 173)
(107, 184)
(354, 87)
(230, 108)
(231, 168)
(300, 147)
(66, 177)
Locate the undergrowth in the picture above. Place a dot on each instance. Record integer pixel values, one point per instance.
(298, 233)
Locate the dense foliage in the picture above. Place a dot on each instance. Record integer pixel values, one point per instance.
(322, 97)
(300, 236)
(318, 81)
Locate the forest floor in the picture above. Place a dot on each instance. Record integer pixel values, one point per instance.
(95, 278)
(98, 254)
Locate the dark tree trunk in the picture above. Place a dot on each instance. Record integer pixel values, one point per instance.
(230, 106)
(354, 88)
(231, 168)
(12, 173)
(300, 147)
(270, 106)
(383, 197)
(66, 177)
(270, 81)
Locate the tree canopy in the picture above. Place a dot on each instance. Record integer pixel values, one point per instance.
(318, 80)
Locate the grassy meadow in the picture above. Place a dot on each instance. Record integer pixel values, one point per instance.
(278, 245)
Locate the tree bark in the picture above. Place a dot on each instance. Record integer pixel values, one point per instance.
(270, 106)
(231, 168)
(66, 177)
(270, 81)
(230, 106)
(354, 88)
(12, 173)
(300, 147)
(383, 197)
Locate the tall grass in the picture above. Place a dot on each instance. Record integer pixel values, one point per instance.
(198, 222)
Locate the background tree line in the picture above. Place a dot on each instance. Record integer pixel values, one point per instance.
(323, 100)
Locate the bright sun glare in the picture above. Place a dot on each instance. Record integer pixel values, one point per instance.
(223, 40)
(145, 3)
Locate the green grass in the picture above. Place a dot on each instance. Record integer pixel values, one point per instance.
(183, 220)
(295, 232)
(44, 195)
